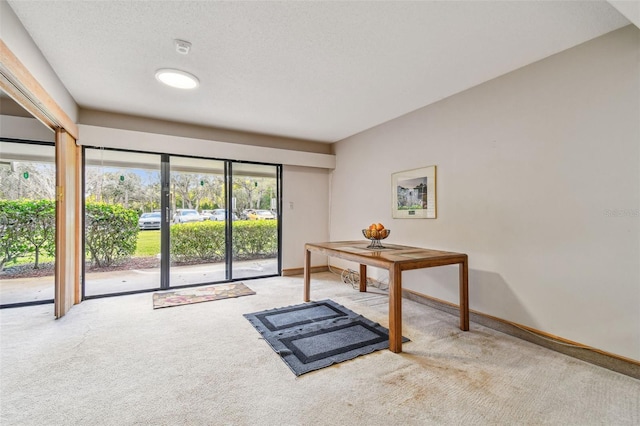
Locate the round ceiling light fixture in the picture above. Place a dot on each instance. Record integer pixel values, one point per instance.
(176, 78)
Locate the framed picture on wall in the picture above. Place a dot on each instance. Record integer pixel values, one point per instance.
(414, 193)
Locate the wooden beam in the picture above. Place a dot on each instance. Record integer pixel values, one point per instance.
(67, 220)
(21, 85)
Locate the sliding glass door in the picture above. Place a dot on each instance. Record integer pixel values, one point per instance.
(158, 221)
(255, 237)
(122, 221)
(198, 221)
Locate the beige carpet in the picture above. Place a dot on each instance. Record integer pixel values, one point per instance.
(116, 361)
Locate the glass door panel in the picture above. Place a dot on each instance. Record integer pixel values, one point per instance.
(197, 205)
(122, 221)
(27, 223)
(156, 221)
(255, 231)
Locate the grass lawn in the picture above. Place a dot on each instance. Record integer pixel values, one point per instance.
(148, 243)
(31, 259)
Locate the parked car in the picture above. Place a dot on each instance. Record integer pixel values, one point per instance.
(187, 215)
(244, 214)
(261, 215)
(217, 214)
(206, 214)
(149, 221)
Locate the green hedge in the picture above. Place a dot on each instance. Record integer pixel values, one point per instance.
(111, 233)
(197, 241)
(255, 238)
(205, 241)
(26, 228)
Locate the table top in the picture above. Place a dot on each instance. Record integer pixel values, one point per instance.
(391, 254)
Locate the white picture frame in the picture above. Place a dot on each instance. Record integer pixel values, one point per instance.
(414, 194)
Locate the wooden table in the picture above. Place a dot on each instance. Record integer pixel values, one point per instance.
(395, 259)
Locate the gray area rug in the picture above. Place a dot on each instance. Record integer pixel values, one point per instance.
(314, 335)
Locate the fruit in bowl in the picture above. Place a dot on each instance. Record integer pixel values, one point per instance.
(376, 232)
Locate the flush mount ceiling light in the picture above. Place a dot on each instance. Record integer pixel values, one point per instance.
(176, 78)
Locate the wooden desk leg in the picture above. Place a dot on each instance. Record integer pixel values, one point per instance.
(395, 309)
(363, 278)
(464, 295)
(307, 275)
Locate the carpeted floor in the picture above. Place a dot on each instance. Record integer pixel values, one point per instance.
(116, 361)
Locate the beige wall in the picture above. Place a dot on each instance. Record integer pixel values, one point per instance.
(538, 181)
(148, 125)
(118, 138)
(305, 213)
(25, 128)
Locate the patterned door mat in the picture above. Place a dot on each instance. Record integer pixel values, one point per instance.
(200, 294)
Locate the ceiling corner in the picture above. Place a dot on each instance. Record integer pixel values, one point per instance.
(630, 9)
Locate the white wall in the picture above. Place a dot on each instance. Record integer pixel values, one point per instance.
(538, 181)
(107, 137)
(305, 213)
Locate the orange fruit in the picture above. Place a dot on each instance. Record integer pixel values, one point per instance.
(379, 226)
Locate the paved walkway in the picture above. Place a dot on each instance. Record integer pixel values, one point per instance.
(20, 290)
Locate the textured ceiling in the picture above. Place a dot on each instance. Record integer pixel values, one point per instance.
(320, 71)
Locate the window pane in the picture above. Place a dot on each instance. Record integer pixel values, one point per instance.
(122, 221)
(197, 236)
(27, 222)
(255, 232)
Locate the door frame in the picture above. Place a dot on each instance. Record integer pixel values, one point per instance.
(18, 82)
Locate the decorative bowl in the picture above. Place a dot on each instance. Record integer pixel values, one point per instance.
(375, 236)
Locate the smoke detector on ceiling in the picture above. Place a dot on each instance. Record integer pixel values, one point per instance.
(182, 46)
